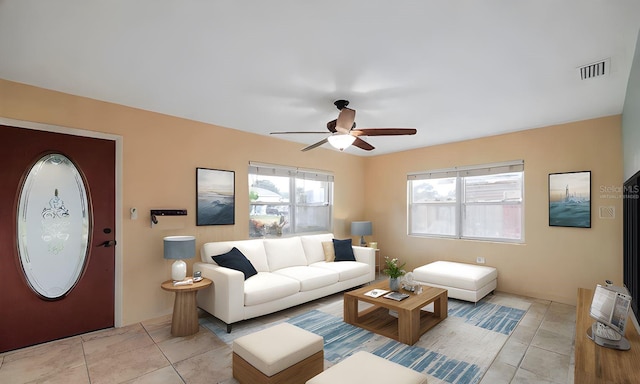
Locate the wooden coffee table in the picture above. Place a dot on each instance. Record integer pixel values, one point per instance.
(411, 323)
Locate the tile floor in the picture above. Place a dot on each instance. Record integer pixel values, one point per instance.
(540, 350)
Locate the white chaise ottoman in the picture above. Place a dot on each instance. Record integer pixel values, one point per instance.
(462, 281)
(365, 367)
(283, 353)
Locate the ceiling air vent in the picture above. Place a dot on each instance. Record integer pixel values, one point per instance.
(596, 69)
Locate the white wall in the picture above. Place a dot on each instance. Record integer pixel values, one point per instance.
(631, 119)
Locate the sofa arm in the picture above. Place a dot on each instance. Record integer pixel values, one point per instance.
(224, 299)
(366, 255)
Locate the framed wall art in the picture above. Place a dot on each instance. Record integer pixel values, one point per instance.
(215, 200)
(570, 199)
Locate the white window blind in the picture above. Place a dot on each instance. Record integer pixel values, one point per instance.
(482, 202)
(284, 171)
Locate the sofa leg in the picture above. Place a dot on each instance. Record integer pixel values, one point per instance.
(228, 328)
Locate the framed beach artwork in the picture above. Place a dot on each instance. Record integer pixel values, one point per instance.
(570, 199)
(215, 200)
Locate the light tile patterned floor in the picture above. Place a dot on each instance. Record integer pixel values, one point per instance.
(540, 350)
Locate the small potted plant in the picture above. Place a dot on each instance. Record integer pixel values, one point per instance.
(394, 271)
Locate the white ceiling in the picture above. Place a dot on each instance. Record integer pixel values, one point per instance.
(454, 70)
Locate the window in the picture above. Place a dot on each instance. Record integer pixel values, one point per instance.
(481, 202)
(286, 200)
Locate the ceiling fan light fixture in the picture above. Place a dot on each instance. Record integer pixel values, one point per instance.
(344, 132)
(341, 141)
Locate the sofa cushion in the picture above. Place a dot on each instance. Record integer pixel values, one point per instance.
(329, 251)
(283, 253)
(266, 287)
(343, 250)
(252, 249)
(346, 269)
(312, 245)
(234, 259)
(310, 278)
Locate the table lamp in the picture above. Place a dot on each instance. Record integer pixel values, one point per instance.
(179, 248)
(362, 229)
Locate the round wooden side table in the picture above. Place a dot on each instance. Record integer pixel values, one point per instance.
(185, 309)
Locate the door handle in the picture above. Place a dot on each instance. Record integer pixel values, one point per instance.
(107, 243)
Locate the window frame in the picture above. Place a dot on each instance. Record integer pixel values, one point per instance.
(460, 204)
(294, 174)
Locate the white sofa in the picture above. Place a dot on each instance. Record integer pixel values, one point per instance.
(291, 271)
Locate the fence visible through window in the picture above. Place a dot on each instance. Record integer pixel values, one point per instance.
(484, 202)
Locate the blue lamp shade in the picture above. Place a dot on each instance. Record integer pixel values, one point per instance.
(178, 248)
(362, 229)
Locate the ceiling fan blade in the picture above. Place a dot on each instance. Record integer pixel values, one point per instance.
(345, 120)
(362, 144)
(331, 126)
(295, 132)
(319, 143)
(383, 131)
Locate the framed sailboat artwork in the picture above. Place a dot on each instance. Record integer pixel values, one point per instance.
(570, 199)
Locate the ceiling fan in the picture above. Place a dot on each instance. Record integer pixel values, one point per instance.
(344, 132)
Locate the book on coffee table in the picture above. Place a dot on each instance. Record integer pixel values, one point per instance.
(397, 296)
(376, 292)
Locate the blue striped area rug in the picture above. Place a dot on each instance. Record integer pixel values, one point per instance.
(486, 315)
(458, 350)
(342, 339)
(485, 326)
(430, 362)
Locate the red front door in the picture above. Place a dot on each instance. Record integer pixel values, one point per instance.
(26, 317)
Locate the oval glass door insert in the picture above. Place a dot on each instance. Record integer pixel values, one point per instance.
(53, 226)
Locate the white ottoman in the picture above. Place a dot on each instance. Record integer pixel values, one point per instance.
(283, 353)
(462, 281)
(364, 367)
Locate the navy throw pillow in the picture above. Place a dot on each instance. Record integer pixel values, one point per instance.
(235, 259)
(343, 250)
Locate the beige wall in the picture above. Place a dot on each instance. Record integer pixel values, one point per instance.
(160, 154)
(553, 261)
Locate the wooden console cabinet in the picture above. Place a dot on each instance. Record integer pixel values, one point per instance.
(596, 364)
